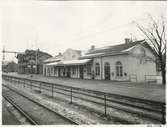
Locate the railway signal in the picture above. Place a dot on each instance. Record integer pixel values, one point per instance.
(6, 51)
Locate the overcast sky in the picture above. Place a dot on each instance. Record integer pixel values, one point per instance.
(55, 26)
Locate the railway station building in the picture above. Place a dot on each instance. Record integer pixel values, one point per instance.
(130, 61)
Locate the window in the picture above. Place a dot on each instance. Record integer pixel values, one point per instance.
(55, 70)
(97, 69)
(88, 69)
(119, 69)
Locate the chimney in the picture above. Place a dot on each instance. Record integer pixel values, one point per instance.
(92, 47)
(127, 40)
(59, 53)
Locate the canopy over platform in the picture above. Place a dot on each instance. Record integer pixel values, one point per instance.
(69, 62)
(54, 63)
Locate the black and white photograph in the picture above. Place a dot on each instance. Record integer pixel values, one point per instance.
(76, 62)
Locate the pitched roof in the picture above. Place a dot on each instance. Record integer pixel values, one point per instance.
(53, 59)
(112, 50)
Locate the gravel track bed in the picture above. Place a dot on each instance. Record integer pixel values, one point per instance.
(114, 116)
(41, 115)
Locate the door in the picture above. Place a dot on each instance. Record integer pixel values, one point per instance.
(81, 72)
(107, 71)
(68, 72)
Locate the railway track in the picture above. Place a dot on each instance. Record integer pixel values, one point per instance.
(24, 114)
(35, 112)
(147, 109)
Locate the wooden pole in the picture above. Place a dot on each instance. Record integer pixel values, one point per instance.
(40, 88)
(31, 84)
(163, 114)
(105, 105)
(71, 96)
(52, 90)
(24, 83)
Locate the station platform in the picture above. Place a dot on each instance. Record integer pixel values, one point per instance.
(149, 91)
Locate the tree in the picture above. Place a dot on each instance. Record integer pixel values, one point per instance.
(156, 36)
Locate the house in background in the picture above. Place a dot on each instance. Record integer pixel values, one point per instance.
(130, 61)
(31, 62)
(9, 66)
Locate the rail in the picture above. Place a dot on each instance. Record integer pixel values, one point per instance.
(42, 105)
(151, 78)
(98, 97)
(33, 122)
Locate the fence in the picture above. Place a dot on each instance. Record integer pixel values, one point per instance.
(133, 77)
(98, 97)
(151, 78)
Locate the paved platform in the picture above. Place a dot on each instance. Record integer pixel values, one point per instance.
(139, 90)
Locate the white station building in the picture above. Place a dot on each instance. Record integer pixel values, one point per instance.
(130, 61)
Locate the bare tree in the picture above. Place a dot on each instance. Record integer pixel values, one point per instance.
(156, 36)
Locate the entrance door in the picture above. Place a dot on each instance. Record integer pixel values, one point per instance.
(107, 71)
(81, 72)
(68, 72)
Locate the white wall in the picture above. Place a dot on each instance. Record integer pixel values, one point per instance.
(112, 61)
(140, 69)
(142, 65)
(137, 52)
(133, 64)
(70, 54)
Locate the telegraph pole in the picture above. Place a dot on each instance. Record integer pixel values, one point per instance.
(36, 41)
(6, 51)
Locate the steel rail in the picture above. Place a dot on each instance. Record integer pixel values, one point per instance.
(47, 86)
(42, 105)
(33, 122)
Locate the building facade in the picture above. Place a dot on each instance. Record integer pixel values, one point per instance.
(31, 62)
(9, 66)
(131, 61)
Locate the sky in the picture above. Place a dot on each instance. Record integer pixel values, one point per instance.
(54, 26)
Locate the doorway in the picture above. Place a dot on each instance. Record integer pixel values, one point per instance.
(68, 72)
(107, 71)
(81, 72)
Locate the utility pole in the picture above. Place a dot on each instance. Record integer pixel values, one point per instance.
(3, 58)
(6, 51)
(36, 60)
(36, 41)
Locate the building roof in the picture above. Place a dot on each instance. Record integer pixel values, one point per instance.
(33, 52)
(112, 50)
(53, 59)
